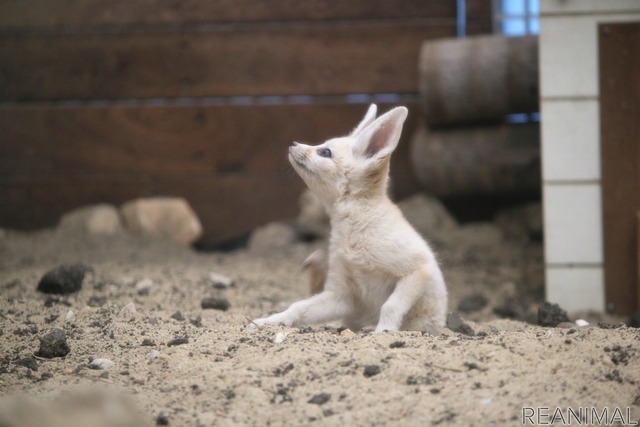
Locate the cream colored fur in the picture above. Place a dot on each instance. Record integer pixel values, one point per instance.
(381, 272)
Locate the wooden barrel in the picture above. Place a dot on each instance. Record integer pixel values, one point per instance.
(483, 160)
(478, 79)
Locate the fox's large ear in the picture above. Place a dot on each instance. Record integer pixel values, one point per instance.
(381, 137)
(368, 118)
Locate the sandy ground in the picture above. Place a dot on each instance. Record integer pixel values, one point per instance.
(142, 295)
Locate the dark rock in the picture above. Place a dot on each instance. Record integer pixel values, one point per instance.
(215, 303)
(148, 342)
(177, 316)
(634, 321)
(281, 371)
(472, 302)
(28, 362)
(64, 279)
(605, 325)
(551, 315)
(197, 321)
(54, 344)
(456, 324)
(178, 341)
(320, 399)
(397, 344)
(162, 420)
(371, 370)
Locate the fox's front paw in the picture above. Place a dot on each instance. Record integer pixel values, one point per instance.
(276, 319)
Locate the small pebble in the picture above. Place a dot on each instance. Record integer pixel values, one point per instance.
(347, 333)
(101, 364)
(215, 303)
(178, 341)
(152, 355)
(144, 286)
(64, 279)
(320, 399)
(456, 324)
(28, 362)
(162, 420)
(129, 308)
(371, 370)
(54, 344)
(69, 316)
(280, 337)
(566, 325)
(197, 321)
(178, 316)
(220, 281)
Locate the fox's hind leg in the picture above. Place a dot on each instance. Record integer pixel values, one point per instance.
(418, 302)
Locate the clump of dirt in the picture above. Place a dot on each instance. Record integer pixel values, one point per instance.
(551, 315)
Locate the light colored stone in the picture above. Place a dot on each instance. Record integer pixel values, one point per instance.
(129, 309)
(428, 215)
(347, 333)
(144, 286)
(152, 355)
(220, 281)
(102, 219)
(275, 235)
(163, 217)
(313, 219)
(280, 337)
(101, 364)
(581, 323)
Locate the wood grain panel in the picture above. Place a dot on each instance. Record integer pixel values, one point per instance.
(46, 14)
(338, 60)
(619, 63)
(229, 162)
(45, 140)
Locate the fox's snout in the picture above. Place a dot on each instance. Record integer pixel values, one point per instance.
(297, 155)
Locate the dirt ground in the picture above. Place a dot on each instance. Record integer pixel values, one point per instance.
(175, 363)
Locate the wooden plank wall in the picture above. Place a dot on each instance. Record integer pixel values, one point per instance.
(619, 47)
(109, 101)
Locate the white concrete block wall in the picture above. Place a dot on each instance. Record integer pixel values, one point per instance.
(571, 146)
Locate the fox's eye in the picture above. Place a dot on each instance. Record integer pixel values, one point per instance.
(324, 152)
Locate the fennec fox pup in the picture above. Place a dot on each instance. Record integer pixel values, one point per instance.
(381, 272)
